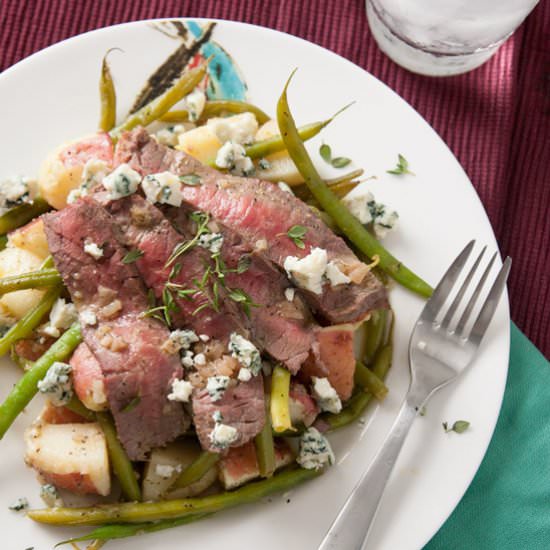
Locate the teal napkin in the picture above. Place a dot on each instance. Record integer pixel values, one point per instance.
(507, 506)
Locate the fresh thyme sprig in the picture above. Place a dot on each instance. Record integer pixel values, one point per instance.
(402, 167)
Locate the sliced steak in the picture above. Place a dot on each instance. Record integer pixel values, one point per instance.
(146, 229)
(262, 214)
(282, 328)
(137, 373)
(242, 407)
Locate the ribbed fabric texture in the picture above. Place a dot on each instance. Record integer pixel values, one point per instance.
(496, 119)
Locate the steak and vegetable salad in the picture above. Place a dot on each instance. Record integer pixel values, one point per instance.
(197, 305)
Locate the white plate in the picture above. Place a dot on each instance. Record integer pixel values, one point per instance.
(52, 97)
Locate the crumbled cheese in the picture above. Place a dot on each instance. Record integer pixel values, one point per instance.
(285, 187)
(181, 391)
(246, 352)
(20, 504)
(363, 206)
(289, 293)
(315, 451)
(232, 156)
(199, 360)
(239, 129)
(264, 164)
(335, 276)
(309, 271)
(195, 102)
(49, 494)
(244, 374)
(13, 192)
(260, 245)
(184, 338)
(326, 395)
(217, 416)
(212, 242)
(187, 359)
(216, 386)
(223, 435)
(167, 470)
(164, 188)
(93, 250)
(92, 175)
(63, 314)
(204, 337)
(122, 182)
(88, 317)
(57, 383)
(169, 135)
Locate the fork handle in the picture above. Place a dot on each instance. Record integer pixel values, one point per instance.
(352, 525)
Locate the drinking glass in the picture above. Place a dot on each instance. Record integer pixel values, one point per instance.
(444, 37)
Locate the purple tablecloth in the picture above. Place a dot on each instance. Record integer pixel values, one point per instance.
(496, 119)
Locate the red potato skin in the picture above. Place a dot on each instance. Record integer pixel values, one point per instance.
(86, 370)
(74, 482)
(33, 348)
(99, 146)
(60, 415)
(333, 358)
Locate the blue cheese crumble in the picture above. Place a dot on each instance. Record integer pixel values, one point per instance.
(245, 352)
(326, 395)
(239, 129)
(57, 384)
(244, 374)
(170, 135)
(92, 175)
(62, 316)
(123, 181)
(195, 102)
(93, 250)
(315, 451)
(164, 188)
(232, 157)
(13, 192)
(49, 494)
(184, 338)
(20, 504)
(213, 242)
(222, 435)
(364, 207)
(311, 271)
(216, 386)
(181, 391)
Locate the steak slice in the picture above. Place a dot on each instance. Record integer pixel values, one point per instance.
(146, 229)
(137, 373)
(262, 214)
(283, 329)
(242, 407)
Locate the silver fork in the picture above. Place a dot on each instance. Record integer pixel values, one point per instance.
(438, 353)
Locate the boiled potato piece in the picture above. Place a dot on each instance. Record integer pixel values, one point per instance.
(164, 467)
(15, 261)
(31, 237)
(201, 143)
(281, 167)
(70, 456)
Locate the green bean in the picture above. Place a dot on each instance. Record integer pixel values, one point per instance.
(265, 448)
(34, 279)
(160, 105)
(197, 469)
(121, 463)
(76, 406)
(107, 97)
(216, 107)
(30, 320)
(26, 387)
(365, 378)
(124, 530)
(279, 402)
(374, 333)
(20, 215)
(351, 227)
(275, 144)
(172, 509)
(47, 263)
(354, 174)
(3, 241)
(382, 361)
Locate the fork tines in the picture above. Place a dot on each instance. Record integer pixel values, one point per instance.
(446, 287)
